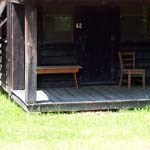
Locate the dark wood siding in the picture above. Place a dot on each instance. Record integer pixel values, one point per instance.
(97, 40)
(18, 69)
(56, 54)
(142, 52)
(3, 72)
(95, 48)
(3, 51)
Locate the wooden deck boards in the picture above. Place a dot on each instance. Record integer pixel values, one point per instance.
(89, 93)
(87, 98)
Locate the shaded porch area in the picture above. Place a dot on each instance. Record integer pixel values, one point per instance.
(52, 34)
(86, 98)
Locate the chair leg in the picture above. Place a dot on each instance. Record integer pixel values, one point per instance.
(129, 81)
(120, 82)
(143, 78)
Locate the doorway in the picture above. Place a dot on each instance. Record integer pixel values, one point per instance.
(97, 37)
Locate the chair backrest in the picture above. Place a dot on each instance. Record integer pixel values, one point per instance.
(127, 60)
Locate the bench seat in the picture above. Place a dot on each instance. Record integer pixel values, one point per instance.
(60, 69)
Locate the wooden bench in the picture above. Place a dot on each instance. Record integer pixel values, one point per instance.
(63, 69)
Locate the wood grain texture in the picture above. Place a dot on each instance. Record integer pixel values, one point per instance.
(9, 47)
(127, 68)
(55, 54)
(30, 53)
(58, 69)
(85, 98)
(18, 47)
(62, 69)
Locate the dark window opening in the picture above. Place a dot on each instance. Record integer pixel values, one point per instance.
(58, 27)
(134, 23)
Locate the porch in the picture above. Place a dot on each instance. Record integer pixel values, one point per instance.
(86, 98)
(71, 33)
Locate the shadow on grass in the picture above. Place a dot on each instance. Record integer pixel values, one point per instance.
(9, 99)
(3, 92)
(146, 108)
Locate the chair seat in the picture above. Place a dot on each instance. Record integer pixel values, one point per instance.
(134, 71)
(127, 66)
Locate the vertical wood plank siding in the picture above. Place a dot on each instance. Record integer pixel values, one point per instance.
(18, 73)
(3, 45)
(56, 54)
(3, 62)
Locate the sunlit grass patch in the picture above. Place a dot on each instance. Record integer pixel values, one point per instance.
(83, 131)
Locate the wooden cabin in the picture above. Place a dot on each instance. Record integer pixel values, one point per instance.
(61, 55)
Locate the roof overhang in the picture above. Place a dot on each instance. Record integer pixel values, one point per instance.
(57, 2)
(2, 6)
(88, 1)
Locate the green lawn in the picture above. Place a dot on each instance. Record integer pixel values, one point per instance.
(124, 130)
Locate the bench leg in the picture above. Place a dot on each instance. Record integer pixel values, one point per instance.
(121, 76)
(75, 80)
(129, 80)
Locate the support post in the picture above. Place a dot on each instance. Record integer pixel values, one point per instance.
(9, 49)
(30, 53)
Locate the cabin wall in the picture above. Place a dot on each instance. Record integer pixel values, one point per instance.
(3, 45)
(55, 42)
(97, 41)
(139, 42)
(18, 46)
(55, 53)
(142, 52)
(93, 47)
(13, 53)
(3, 52)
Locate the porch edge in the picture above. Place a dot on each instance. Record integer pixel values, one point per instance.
(80, 106)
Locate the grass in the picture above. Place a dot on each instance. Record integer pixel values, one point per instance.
(125, 130)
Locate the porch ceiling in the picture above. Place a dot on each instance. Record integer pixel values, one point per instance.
(86, 2)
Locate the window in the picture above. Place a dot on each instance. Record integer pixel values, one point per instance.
(58, 27)
(134, 23)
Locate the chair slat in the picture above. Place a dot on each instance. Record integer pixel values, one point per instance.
(127, 66)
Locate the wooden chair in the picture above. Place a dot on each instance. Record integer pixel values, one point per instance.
(127, 66)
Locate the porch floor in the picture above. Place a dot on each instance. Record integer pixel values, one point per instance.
(86, 98)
